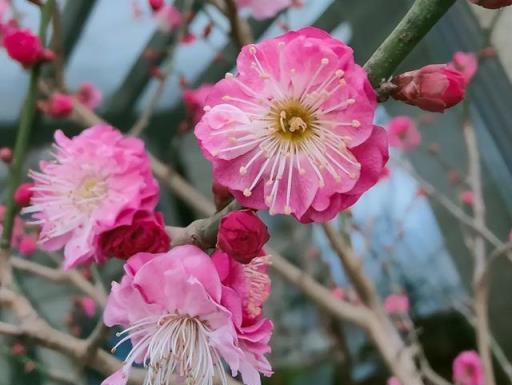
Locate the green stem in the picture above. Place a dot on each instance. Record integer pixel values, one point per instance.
(26, 122)
(422, 16)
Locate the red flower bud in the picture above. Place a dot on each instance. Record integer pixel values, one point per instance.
(146, 234)
(27, 246)
(156, 4)
(58, 106)
(24, 47)
(23, 194)
(432, 88)
(242, 235)
(492, 4)
(6, 155)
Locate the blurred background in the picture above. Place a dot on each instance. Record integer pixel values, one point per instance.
(409, 242)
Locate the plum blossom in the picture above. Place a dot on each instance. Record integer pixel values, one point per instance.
(393, 381)
(396, 304)
(97, 181)
(23, 194)
(89, 95)
(25, 47)
(466, 63)
(293, 131)
(168, 18)
(434, 88)
(266, 9)
(467, 369)
(403, 133)
(57, 106)
(6, 155)
(27, 245)
(467, 197)
(171, 302)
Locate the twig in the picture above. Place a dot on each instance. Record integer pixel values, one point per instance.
(240, 30)
(10, 330)
(420, 18)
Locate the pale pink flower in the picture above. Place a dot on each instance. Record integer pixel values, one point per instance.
(293, 131)
(266, 9)
(466, 63)
(403, 133)
(195, 101)
(467, 369)
(393, 381)
(89, 95)
(396, 304)
(168, 18)
(171, 302)
(245, 289)
(88, 306)
(98, 181)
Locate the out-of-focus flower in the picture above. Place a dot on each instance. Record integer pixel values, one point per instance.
(6, 155)
(88, 306)
(188, 38)
(171, 306)
(492, 4)
(168, 18)
(195, 101)
(146, 233)
(156, 4)
(466, 63)
(25, 47)
(338, 293)
(403, 133)
(266, 9)
(58, 105)
(27, 245)
(23, 194)
(467, 369)
(89, 95)
(98, 181)
(467, 197)
(434, 88)
(242, 235)
(293, 131)
(393, 381)
(396, 304)
(221, 195)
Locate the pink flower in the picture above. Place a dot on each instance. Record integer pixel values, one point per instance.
(25, 47)
(6, 155)
(242, 235)
(156, 4)
(393, 381)
(27, 245)
(467, 369)
(492, 4)
(265, 9)
(168, 18)
(23, 194)
(98, 181)
(195, 101)
(434, 88)
(396, 304)
(403, 133)
(245, 288)
(88, 306)
(89, 95)
(338, 293)
(172, 303)
(466, 64)
(57, 106)
(293, 131)
(467, 197)
(145, 234)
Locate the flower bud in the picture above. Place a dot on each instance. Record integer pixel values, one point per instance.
(403, 133)
(58, 106)
(242, 235)
(23, 194)
(433, 88)
(156, 4)
(25, 47)
(6, 155)
(146, 234)
(467, 197)
(492, 4)
(27, 245)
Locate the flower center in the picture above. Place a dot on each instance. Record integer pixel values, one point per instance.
(291, 120)
(89, 193)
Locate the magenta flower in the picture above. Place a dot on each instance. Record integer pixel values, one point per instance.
(492, 4)
(467, 369)
(23, 194)
(396, 304)
(466, 63)
(88, 306)
(467, 197)
(266, 9)
(97, 182)
(57, 106)
(293, 131)
(25, 47)
(403, 133)
(172, 303)
(89, 95)
(27, 245)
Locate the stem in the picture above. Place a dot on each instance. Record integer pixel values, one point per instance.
(26, 123)
(422, 16)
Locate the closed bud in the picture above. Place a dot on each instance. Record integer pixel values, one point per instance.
(6, 155)
(433, 88)
(156, 4)
(23, 194)
(492, 4)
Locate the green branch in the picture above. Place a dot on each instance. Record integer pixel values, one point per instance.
(26, 122)
(422, 16)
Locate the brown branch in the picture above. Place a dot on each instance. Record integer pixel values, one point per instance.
(240, 30)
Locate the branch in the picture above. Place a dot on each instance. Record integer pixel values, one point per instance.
(422, 16)
(10, 330)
